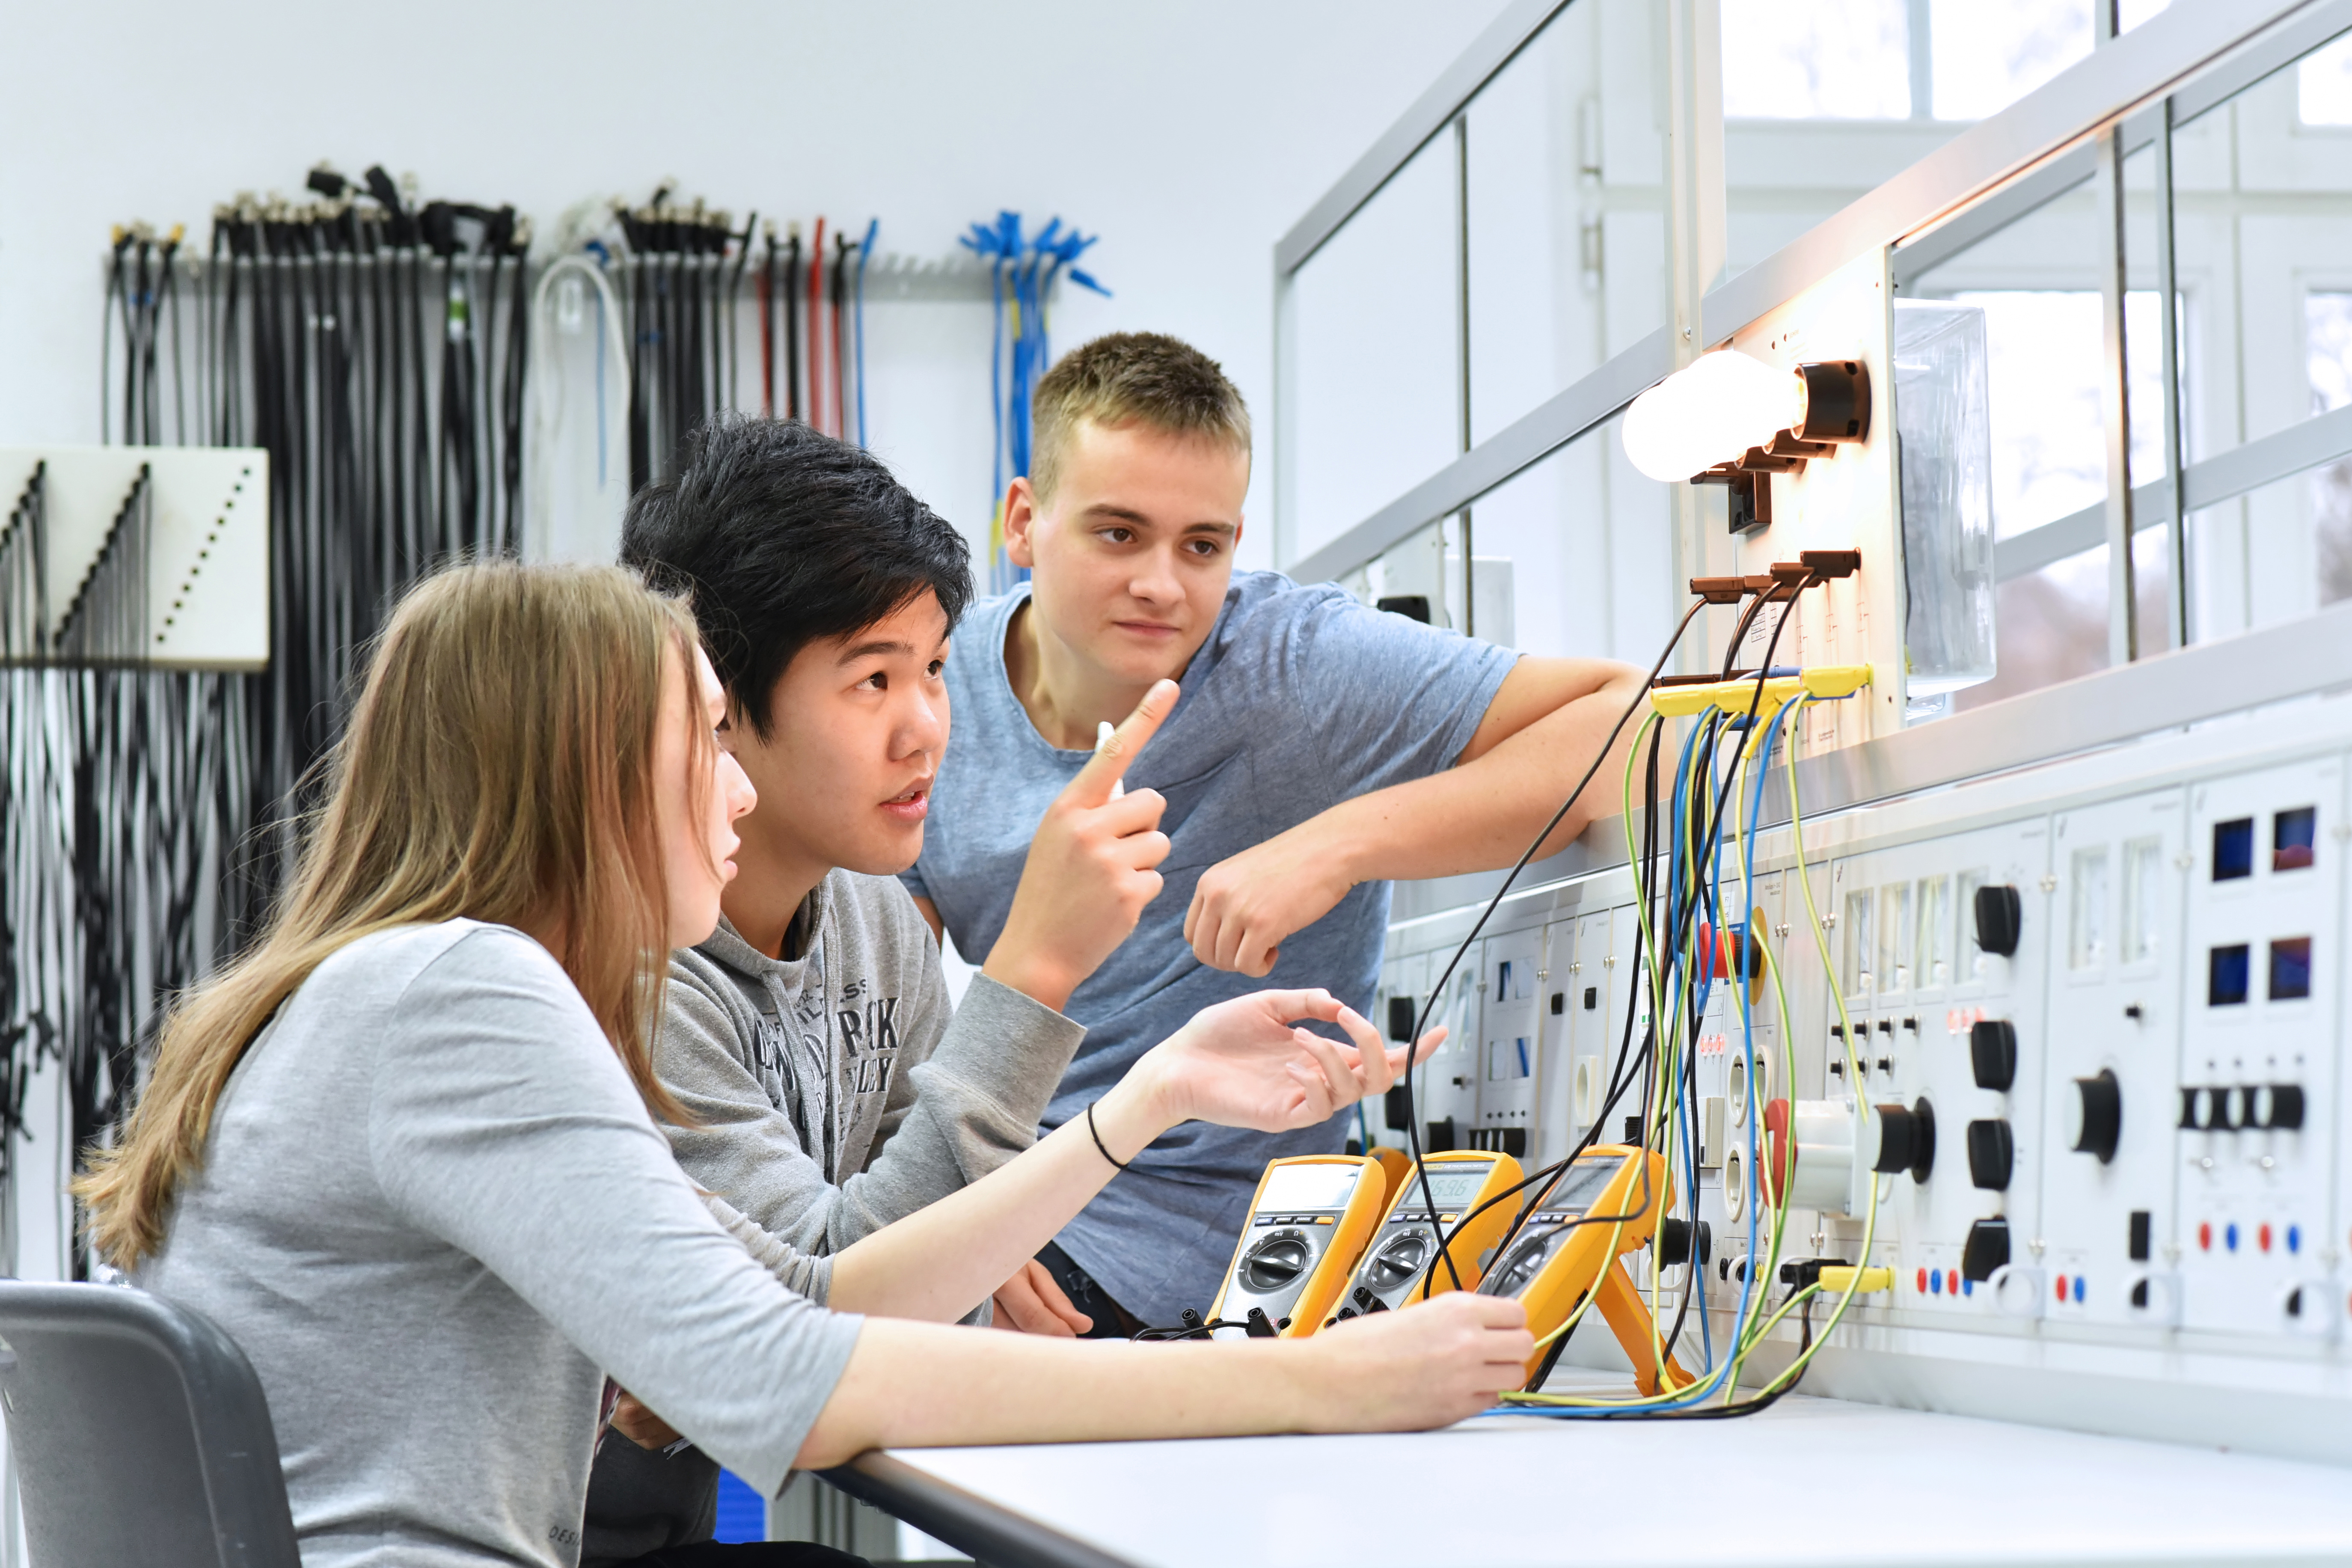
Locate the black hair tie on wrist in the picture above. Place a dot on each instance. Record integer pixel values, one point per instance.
(1098, 1136)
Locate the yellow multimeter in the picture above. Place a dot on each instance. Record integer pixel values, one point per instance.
(1308, 1225)
(1394, 1164)
(1572, 1246)
(1401, 1262)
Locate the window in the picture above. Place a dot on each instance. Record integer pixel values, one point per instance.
(2088, 946)
(2225, 976)
(1816, 59)
(2294, 837)
(2323, 85)
(2234, 849)
(1896, 937)
(1990, 53)
(2328, 337)
(1861, 949)
(2290, 969)
(1934, 931)
(2143, 899)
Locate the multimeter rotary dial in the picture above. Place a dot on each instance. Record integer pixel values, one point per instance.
(1277, 1262)
(1519, 1269)
(1400, 1262)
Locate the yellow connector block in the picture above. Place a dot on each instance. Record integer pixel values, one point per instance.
(1823, 682)
(1838, 1281)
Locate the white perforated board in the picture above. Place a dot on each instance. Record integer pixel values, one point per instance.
(208, 567)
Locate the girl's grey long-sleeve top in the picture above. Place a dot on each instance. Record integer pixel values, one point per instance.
(435, 1213)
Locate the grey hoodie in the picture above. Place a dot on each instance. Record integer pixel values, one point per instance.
(834, 1092)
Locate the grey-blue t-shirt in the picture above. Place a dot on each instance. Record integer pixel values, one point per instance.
(1301, 699)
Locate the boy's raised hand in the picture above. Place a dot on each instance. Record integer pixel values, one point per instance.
(1246, 1063)
(1092, 866)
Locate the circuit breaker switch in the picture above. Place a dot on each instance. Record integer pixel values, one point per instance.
(1992, 1053)
(2000, 915)
(1992, 1154)
(2095, 1122)
(1987, 1249)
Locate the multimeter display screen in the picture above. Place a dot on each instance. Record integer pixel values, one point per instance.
(1449, 1187)
(1585, 1181)
(1309, 1187)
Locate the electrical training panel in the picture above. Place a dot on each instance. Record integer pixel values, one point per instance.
(2099, 1006)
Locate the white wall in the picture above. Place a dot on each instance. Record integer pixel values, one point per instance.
(1189, 136)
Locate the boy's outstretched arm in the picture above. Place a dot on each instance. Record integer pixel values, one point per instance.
(1539, 735)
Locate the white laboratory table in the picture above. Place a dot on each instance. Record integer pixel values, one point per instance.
(1817, 1482)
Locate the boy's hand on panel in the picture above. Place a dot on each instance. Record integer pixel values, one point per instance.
(1032, 1304)
(1091, 869)
(1244, 906)
(1246, 1063)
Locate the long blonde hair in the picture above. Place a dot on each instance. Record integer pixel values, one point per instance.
(497, 766)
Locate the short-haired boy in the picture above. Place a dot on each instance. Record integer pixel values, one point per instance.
(1320, 750)
(832, 1088)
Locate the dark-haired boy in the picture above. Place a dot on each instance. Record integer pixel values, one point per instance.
(833, 1090)
(1320, 750)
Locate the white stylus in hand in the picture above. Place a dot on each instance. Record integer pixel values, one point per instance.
(1102, 738)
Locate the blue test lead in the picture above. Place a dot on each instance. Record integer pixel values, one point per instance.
(1023, 271)
(864, 251)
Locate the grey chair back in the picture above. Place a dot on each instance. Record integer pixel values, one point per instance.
(140, 1433)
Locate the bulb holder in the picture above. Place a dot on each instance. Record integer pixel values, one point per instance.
(1837, 402)
(1751, 494)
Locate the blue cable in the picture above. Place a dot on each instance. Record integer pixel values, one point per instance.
(1025, 269)
(857, 320)
(1706, 1386)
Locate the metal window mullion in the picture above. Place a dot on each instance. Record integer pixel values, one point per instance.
(1462, 352)
(2176, 483)
(1919, 21)
(2123, 605)
(2123, 598)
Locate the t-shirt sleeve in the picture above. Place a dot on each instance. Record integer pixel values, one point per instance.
(1378, 698)
(911, 879)
(500, 1121)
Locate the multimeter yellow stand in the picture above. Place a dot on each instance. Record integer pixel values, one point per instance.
(1308, 1225)
(1572, 1245)
(1401, 1262)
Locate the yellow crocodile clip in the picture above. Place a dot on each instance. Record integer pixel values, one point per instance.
(1733, 697)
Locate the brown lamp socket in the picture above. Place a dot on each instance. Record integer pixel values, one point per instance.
(1837, 400)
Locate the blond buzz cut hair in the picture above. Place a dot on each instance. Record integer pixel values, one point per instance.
(1132, 378)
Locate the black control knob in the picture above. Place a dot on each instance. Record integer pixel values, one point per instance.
(2279, 1105)
(2000, 915)
(2096, 1124)
(1986, 1250)
(1906, 1139)
(1992, 1154)
(1992, 1053)
(2189, 1108)
(1275, 1262)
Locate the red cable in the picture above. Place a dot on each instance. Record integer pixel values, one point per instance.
(768, 334)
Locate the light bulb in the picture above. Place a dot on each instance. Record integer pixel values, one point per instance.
(1710, 411)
